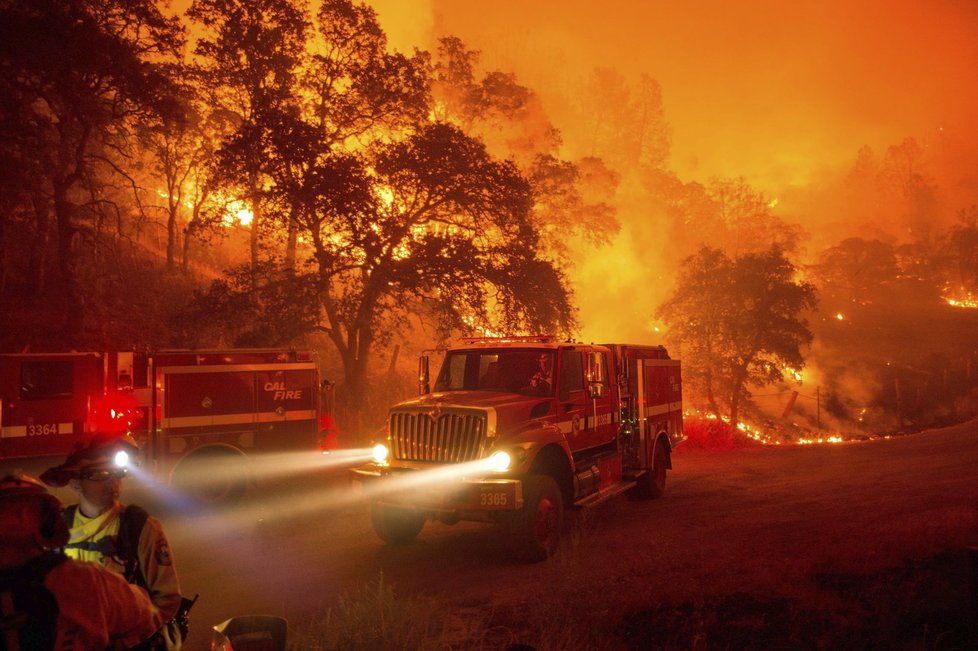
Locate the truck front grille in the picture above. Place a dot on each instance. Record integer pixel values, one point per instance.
(447, 437)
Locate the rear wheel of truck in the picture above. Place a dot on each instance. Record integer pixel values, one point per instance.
(212, 478)
(395, 525)
(653, 483)
(535, 529)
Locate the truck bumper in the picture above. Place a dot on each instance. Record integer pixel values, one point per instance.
(411, 489)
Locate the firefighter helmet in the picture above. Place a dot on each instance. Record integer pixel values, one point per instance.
(29, 514)
(101, 449)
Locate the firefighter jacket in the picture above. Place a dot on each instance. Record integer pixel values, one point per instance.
(97, 609)
(96, 540)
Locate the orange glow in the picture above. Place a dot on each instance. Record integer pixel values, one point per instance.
(968, 302)
(385, 194)
(242, 215)
(757, 434)
(895, 70)
(765, 63)
(825, 439)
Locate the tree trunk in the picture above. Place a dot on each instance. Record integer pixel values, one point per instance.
(38, 247)
(355, 380)
(185, 254)
(735, 391)
(354, 349)
(710, 397)
(63, 210)
(171, 233)
(254, 197)
(290, 245)
(255, 220)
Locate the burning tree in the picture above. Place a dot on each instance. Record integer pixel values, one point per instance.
(248, 54)
(386, 215)
(738, 322)
(76, 77)
(429, 224)
(964, 254)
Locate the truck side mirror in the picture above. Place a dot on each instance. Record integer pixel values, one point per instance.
(595, 390)
(424, 381)
(595, 376)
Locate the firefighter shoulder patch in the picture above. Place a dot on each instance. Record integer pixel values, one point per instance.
(163, 552)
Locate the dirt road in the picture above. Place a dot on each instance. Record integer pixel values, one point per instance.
(760, 521)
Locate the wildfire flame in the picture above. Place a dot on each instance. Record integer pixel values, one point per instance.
(240, 213)
(970, 302)
(960, 297)
(821, 439)
(757, 434)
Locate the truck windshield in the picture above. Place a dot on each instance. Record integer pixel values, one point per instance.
(525, 371)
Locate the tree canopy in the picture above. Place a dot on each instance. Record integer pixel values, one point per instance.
(390, 216)
(739, 322)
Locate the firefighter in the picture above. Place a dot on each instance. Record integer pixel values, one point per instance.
(123, 538)
(542, 379)
(50, 601)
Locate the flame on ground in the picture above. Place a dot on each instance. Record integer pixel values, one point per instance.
(969, 303)
(758, 434)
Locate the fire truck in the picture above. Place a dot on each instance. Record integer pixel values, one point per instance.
(516, 430)
(194, 414)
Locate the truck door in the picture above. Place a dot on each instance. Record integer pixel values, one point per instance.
(46, 401)
(583, 416)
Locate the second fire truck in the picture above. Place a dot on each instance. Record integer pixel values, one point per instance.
(516, 430)
(199, 417)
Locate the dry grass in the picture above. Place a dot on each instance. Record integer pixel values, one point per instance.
(924, 604)
(928, 604)
(373, 619)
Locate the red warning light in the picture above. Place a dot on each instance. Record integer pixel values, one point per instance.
(115, 412)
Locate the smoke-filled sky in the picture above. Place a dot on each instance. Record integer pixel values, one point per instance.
(783, 94)
(767, 89)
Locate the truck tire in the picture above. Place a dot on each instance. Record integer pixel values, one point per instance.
(652, 484)
(395, 525)
(534, 530)
(212, 478)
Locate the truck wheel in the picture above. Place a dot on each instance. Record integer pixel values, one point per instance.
(211, 479)
(653, 483)
(535, 529)
(395, 525)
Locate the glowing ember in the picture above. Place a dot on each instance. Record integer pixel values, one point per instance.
(385, 194)
(970, 302)
(825, 439)
(839, 316)
(480, 330)
(237, 213)
(757, 434)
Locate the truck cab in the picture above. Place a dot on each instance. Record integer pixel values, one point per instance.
(515, 430)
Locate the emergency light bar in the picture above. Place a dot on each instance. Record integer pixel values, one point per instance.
(523, 339)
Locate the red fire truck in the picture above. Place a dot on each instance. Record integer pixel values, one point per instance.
(516, 429)
(193, 413)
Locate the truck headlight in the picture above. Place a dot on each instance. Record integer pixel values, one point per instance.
(499, 461)
(380, 453)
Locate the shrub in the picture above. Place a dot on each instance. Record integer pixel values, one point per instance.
(372, 618)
